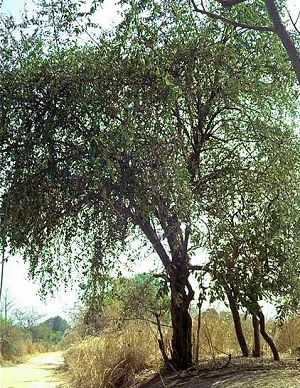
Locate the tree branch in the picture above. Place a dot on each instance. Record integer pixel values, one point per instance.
(230, 3)
(294, 22)
(232, 22)
(284, 36)
(153, 238)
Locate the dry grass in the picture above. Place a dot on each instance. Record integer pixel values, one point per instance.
(288, 337)
(121, 357)
(114, 358)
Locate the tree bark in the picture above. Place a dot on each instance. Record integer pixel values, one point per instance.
(237, 322)
(266, 336)
(256, 337)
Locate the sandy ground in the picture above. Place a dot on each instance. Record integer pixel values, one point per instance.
(38, 372)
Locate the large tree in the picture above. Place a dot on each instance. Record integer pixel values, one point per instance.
(129, 134)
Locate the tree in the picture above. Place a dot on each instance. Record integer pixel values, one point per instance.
(6, 305)
(273, 10)
(254, 234)
(131, 134)
(27, 318)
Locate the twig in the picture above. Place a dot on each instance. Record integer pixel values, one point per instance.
(294, 23)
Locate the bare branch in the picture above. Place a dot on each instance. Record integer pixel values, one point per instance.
(294, 23)
(232, 22)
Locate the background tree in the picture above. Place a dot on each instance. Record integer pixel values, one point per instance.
(6, 305)
(254, 232)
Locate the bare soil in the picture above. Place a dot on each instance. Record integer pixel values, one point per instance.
(39, 371)
(240, 373)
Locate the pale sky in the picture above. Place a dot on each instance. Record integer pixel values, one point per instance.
(23, 291)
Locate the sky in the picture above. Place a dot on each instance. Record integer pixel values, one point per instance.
(23, 292)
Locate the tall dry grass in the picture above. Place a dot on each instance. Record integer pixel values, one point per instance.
(288, 337)
(113, 358)
(117, 356)
(218, 336)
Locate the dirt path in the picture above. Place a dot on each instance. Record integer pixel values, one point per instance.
(38, 372)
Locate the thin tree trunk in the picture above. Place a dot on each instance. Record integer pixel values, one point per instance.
(256, 336)
(200, 302)
(237, 323)
(266, 336)
(161, 341)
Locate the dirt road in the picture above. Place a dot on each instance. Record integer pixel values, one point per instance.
(38, 372)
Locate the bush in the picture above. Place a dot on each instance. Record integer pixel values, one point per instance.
(14, 340)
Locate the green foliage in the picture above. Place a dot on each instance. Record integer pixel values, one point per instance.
(142, 297)
(254, 239)
(71, 173)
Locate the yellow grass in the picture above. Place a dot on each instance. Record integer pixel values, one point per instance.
(115, 357)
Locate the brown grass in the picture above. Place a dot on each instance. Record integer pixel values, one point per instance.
(119, 357)
(114, 358)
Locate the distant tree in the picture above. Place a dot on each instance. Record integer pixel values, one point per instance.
(50, 331)
(56, 324)
(7, 303)
(27, 318)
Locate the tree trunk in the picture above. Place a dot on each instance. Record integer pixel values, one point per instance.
(266, 336)
(181, 290)
(237, 323)
(256, 337)
(181, 321)
(200, 302)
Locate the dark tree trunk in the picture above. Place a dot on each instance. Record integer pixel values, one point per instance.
(181, 322)
(237, 323)
(256, 336)
(266, 336)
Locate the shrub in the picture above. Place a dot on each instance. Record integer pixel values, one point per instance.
(13, 340)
